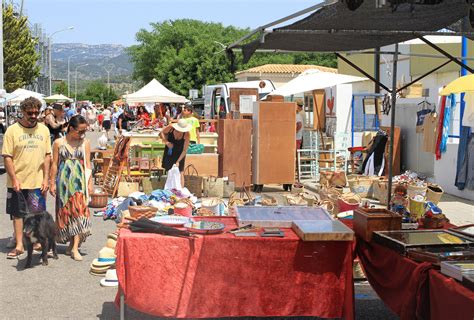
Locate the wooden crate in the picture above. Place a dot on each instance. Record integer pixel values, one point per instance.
(235, 151)
(274, 142)
(366, 221)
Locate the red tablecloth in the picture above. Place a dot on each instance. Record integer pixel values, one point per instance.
(224, 276)
(449, 299)
(410, 289)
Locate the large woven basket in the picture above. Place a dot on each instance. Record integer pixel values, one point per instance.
(361, 185)
(142, 211)
(98, 200)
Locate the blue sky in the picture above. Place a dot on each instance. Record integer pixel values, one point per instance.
(117, 21)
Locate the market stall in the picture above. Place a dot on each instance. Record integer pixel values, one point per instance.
(226, 276)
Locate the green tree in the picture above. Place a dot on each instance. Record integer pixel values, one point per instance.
(97, 91)
(19, 54)
(185, 54)
(60, 88)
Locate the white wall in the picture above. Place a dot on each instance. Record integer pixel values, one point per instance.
(445, 173)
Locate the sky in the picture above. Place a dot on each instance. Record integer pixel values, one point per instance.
(117, 21)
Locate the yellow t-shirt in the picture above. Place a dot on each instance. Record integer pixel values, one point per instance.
(195, 124)
(27, 147)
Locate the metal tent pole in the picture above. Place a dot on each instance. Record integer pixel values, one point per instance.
(392, 125)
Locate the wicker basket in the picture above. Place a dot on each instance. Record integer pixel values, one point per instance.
(138, 212)
(361, 185)
(414, 190)
(98, 200)
(434, 193)
(193, 181)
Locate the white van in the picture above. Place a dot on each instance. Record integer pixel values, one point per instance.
(220, 99)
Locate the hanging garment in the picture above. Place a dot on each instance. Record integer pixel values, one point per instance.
(468, 117)
(465, 162)
(448, 111)
(377, 150)
(440, 126)
(420, 119)
(430, 129)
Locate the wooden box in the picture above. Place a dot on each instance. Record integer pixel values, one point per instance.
(320, 230)
(274, 143)
(366, 221)
(235, 151)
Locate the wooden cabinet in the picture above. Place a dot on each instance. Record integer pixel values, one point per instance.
(274, 142)
(235, 151)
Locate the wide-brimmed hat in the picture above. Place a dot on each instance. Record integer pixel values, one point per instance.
(111, 243)
(182, 126)
(110, 279)
(112, 236)
(106, 257)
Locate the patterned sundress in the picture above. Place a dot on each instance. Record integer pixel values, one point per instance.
(72, 213)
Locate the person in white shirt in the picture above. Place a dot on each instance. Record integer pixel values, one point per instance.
(106, 124)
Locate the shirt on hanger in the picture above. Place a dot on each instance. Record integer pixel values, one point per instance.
(430, 129)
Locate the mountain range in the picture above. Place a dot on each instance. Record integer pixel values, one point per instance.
(91, 62)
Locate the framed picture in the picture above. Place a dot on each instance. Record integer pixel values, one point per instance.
(371, 105)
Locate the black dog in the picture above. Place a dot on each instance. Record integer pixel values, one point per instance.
(40, 228)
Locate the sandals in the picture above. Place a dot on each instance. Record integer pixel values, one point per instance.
(15, 254)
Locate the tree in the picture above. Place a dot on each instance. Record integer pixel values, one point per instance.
(184, 54)
(60, 88)
(97, 91)
(19, 54)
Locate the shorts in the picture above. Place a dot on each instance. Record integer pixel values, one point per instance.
(106, 124)
(16, 206)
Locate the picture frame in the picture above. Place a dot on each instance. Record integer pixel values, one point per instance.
(371, 105)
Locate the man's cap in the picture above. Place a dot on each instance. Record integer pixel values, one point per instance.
(58, 106)
(299, 103)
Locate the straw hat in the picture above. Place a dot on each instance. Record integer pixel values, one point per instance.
(111, 243)
(106, 257)
(182, 126)
(110, 279)
(112, 236)
(97, 274)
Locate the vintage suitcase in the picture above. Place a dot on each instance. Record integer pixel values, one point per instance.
(366, 221)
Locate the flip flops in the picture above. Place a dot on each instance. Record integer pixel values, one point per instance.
(15, 254)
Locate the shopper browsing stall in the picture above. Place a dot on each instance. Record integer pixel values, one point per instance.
(176, 138)
(188, 115)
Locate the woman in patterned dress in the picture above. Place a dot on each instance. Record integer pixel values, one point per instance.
(68, 183)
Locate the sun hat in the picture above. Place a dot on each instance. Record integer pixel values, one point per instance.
(111, 243)
(112, 236)
(110, 279)
(182, 126)
(99, 271)
(299, 102)
(98, 274)
(106, 257)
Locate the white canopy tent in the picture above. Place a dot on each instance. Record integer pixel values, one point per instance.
(22, 94)
(154, 92)
(313, 79)
(58, 98)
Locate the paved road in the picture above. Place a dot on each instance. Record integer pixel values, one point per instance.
(65, 289)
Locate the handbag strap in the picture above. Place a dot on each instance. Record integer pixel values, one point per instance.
(187, 170)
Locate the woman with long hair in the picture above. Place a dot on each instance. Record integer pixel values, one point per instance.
(71, 183)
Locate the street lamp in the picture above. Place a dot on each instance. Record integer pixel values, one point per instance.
(68, 72)
(75, 81)
(50, 61)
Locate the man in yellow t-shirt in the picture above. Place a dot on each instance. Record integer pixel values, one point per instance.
(194, 122)
(27, 153)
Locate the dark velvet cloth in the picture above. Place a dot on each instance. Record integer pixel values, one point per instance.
(227, 276)
(449, 299)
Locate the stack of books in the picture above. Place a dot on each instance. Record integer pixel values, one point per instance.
(460, 270)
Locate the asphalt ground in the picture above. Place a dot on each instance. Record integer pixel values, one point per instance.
(65, 290)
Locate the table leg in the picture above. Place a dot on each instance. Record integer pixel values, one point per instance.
(122, 305)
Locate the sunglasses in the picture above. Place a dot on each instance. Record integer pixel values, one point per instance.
(32, 113)
(81, 131)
